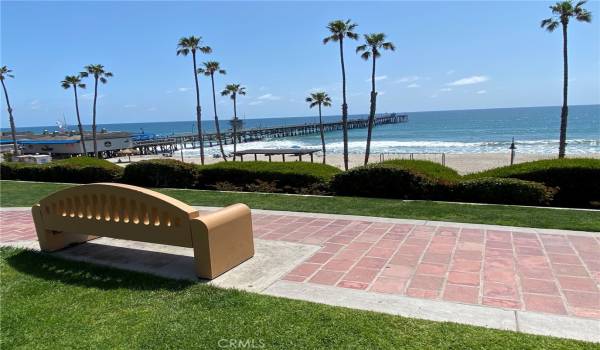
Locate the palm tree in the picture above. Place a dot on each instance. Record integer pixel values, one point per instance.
(563, 12)
(99, 74)
(320, 99)
(75, 82)
(209, 70)
(184, 47)
(5, 73)
(339, 30)
(374, 43)
(234, 90)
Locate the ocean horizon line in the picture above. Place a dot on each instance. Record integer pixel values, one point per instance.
(225, 120)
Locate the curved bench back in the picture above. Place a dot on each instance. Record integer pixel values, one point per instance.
(119, 211)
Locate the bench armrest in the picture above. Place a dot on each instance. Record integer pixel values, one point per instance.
(222, 240)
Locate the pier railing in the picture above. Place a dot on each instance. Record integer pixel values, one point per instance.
(189, 140)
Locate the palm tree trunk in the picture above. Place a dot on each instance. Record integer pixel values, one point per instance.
(13, 129)
(234, 125)
(371, 113)
(212, 79)
(94, 117)
(198, 109)
(322, 133)
(565, 108)
(344, 106)
(79, 120)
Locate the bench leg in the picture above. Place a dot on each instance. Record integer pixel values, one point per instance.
(52, 240)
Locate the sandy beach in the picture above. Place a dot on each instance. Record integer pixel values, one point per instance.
(464, 163)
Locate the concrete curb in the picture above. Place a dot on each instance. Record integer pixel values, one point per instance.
(435, 310)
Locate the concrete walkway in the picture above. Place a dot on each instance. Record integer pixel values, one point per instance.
(523, 279)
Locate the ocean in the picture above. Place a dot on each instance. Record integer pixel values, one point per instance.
(535, 130)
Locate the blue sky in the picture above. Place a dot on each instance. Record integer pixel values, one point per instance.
(450, 55)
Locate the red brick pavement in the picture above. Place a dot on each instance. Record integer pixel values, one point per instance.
(549, 273)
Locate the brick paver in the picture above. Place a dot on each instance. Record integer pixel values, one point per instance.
(549, 273)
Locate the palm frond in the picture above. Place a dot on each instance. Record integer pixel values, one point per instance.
(389, 46)
(82, 86)
(366, 55)
(361, 48)
(549, 24)
(584, 16)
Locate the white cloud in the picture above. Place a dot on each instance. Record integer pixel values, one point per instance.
(35, 104)
(378, 78)
(183, 89)
(254, 103)
(380, 93)
(152, 109)
(481, 92)
(445, 89)
(262, 88)
(130, 106)
(450, 72)
(413, 85)
(408, 79)
(269, 97)
(476, 79)
(168, 91)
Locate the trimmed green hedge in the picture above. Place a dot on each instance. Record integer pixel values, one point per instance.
(387, 180)
(421, 180)
(75, 170)
(502, 191)
(564, 182)
(577, 179)
(429, 169)
(292, 177)
(161, 173)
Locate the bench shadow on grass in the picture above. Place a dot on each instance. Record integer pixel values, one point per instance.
(77, 273)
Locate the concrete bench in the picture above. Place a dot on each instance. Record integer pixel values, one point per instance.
(221, 240)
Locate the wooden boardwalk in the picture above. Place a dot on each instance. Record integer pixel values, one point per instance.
(189, 140)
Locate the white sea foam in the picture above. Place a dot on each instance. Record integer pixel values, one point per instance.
(577, 146)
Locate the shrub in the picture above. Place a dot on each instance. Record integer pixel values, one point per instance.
(387, 180)
(429, 169)
(292, 177)
(161, 173)
(75, 170)
(576, 178)
(502, 191)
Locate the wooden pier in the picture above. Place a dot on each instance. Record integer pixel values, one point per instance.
(170, 144)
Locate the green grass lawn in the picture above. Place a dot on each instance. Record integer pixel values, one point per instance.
(49, 302)
(13, 193)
